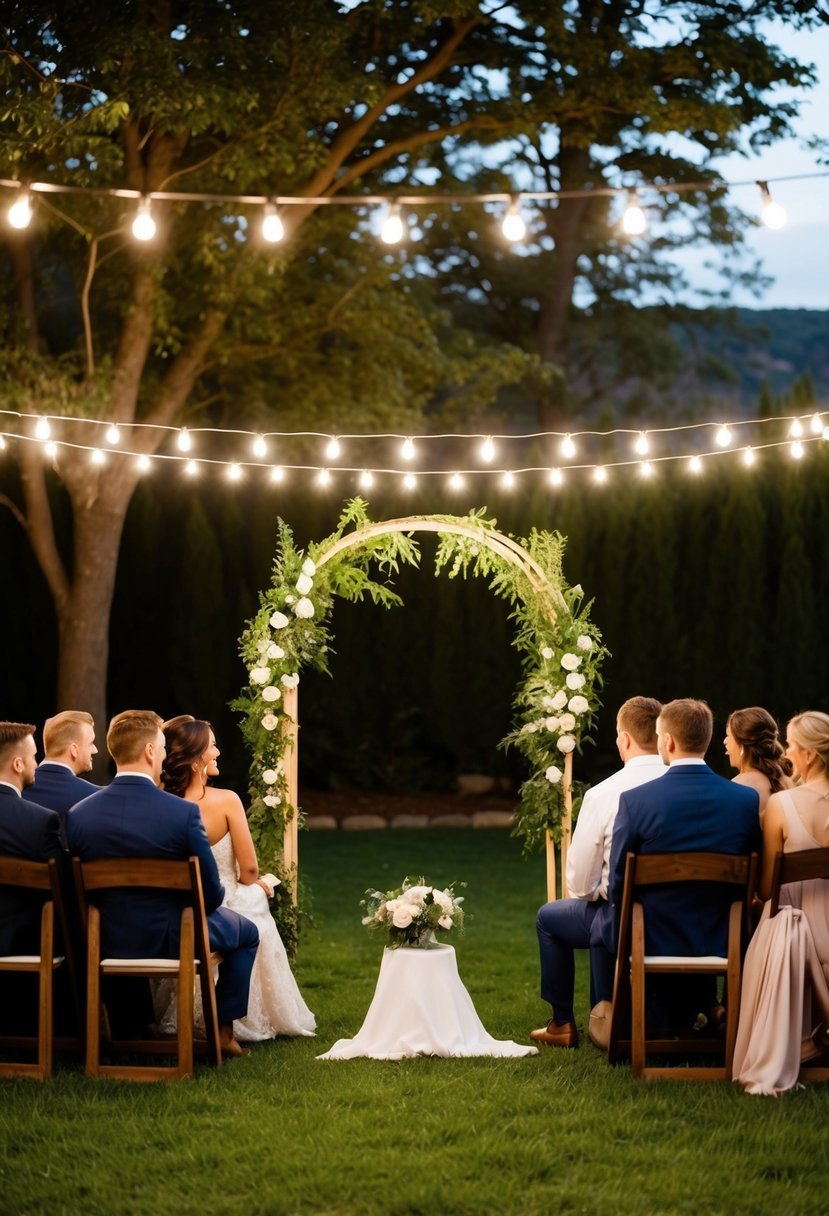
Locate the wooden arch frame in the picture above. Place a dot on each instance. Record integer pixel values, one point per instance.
(553, 602)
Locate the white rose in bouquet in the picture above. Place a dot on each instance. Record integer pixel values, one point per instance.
(415, 895)
(574, 680)
(551, 723)
(443, 899)
(566, 744)
(271, 800)
(553, 774)
(279, 620)
(270, 721)
(304, 608)
(546, 652)
(270, 693)
(445, 922)
(584, 642)
(560, 699)
(570, 661)
(304, 584)
(290, 681)
(402, 917)
(579, 705)
(309, 568)
(548, 703)
(269, 776)
(260, 675)
(567, 721)
(275, 652)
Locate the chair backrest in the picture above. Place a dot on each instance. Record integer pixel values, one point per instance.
(796, 867)
(651, 868)
(35, 875)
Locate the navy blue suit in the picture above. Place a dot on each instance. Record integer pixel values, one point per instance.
(57, 787)
(133, 818)
(30, 831)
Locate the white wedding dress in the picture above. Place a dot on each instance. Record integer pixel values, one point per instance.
(275, 1004)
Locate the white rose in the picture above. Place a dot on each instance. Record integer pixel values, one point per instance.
(566, 744)
(309, 568)
(304, 608)
(415, 895)
(289, 599)
(579, 705)
(279, 620)
(560, 699)
(443, 899)
(269, 776)
(529, 728)
(547, 702)
(553, 774)
(304, 584)
(566, 722)
(551, 723)
(570, 661)
(260, 675)
(585, 642)
(275, 652)
(290, 681)
(574, 680)
(270, 693)
(546, 652)
(578, 589)
(401, 918)
(271, 800)
(262, 647)
(270, 721)
(445, 922)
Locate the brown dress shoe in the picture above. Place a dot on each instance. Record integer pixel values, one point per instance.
(598, 1028)
(554, 1035)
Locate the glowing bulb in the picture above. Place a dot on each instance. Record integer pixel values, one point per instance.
(192, 468)
(143, 464)
(366, 480)
(695, 464)
(488, 450)
(723, 436)
(816, 424)
(260, 448)
(642, 446)
(407, 451)
(646, 468)
(113, 435)
(51, 448)
(568, 448)
(143, 226)
(555, 477)
(456, 481)
(323, 477)
(392, 231)
(749, 457)
(796, 429)
(513, 226)
(600, 475)
(772, 214)
(2, 444)
(184, 441)
(332, 451)
(796, 450)
(43, 430)
(507, 480)
(19, 214)
(826, 433)
(273, 229)
(97, 456)
(410, 481)
(234, 472)
(633, 221)
(277, 474)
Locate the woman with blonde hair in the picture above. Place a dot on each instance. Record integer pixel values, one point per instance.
(752, 744)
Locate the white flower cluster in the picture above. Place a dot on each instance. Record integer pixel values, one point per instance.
(413, 911)
(562, 706)
(265, 677)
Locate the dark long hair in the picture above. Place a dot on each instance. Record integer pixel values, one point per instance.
(187, 740)
(757, 734)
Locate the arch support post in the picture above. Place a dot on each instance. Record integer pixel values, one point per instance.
(290, 762)
(566, 831)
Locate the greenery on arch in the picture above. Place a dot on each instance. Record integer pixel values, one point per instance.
(560, 647)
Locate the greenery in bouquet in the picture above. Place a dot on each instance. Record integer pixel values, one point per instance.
(414, 913)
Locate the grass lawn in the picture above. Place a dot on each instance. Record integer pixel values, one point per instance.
(281, 1132)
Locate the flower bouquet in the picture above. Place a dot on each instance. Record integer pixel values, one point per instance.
(413, 914)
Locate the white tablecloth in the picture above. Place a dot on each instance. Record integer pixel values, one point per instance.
(421, 1008)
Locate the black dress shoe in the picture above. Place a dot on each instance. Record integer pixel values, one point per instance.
(554, 1035)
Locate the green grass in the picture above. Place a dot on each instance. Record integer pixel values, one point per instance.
(282, 1132)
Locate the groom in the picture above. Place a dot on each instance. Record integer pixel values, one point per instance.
(132, 817)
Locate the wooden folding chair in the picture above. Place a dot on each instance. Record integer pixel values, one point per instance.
(633, 965)
(38, 876)
(194, 959)
(801, 867)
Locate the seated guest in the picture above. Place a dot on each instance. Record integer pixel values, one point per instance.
(68, 746)
(30, 831)
(784, 1008)
(566, 925)
(689, 809)
(132, 817)
(752, 744)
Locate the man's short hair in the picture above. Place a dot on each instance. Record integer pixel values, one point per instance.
(690, 722)
(63, 729)
(129, 733)
(638, 717)
(11, 734)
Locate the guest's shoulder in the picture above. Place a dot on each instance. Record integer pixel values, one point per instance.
(38, 811)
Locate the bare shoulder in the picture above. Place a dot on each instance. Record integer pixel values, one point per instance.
(220, 800)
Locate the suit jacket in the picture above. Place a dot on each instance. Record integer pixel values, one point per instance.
(690, 809)
(56, 786)
(133, 818)
(30, 831)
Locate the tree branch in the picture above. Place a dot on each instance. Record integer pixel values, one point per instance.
(40, 525)
(186, 368)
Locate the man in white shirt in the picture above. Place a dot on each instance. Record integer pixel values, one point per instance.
(567, 925)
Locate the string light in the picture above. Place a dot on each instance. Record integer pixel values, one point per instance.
(646, 469)
(749, 457)
(600, 474)
(192, 468)
(816, 424)
(456, 481)
(410, 481)
(723, 436)
(113, 435)
(633, 221)
(391, 232)
(407, 451)
(234, 473)
(773, 215)
(568, 448)
(183, 440)
(323, 477)
(96, 456)
(143, 226)
(260, 448)
(826, 432)
(695, 464)
(642, 445)
(332, 451)
(796, 429)
(273, 230)
(555, 477)
(143, 464)
(796, 450)
(488, 450)
(512, 225)
(507, 479)
(277, 474)
(19, 214)
(42, 429)
(2, 444)
(51, 449)
(366, 480)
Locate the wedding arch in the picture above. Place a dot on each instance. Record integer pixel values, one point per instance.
(561, 654)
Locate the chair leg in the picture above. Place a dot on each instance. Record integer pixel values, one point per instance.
(93, 994)
(44, 1017)
(186, 987)
(637, 988)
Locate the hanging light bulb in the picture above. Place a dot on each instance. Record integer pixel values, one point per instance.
(143, 464)
(273, 230)
(51, 448)
(42, 429)
(323, 477)
(143, 226)
(260, 448)
(183, 441)
(234, 472)
(192, 468)
(19, 214)
(816, 424)
(772, 214)
(96, 456)
(634, 222)
(568, 448)
(2, 444)
(277, 474)
(366, 480)
(642, 445)
(826, 433)
(332, 451)
(555, 477)
(723, 436)
(512, 225)
(113, 435)
(391, 232)
(507, 479)
(695, 464)
(796, 450)
(410, 481)
(488, 450)
(749, 457)
(407, 451)
(796, 429)
(456, 481)
(600, 474)
(646, 469)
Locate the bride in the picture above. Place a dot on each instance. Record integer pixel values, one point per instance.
(275, 1006)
